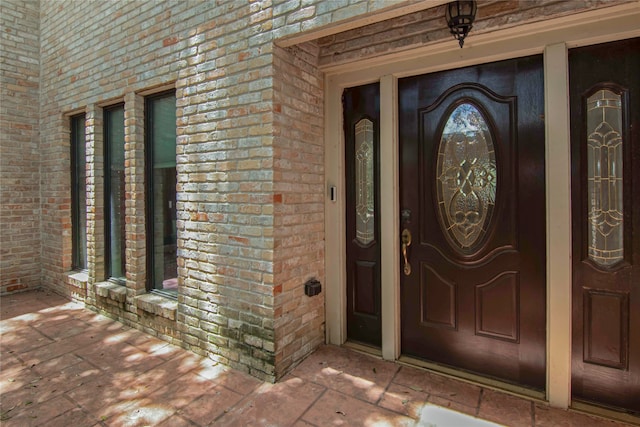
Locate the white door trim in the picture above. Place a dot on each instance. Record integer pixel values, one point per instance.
(552, 39)
(558, 195)
(389, 217)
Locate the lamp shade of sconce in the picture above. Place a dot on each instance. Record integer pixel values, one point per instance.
(460, 15)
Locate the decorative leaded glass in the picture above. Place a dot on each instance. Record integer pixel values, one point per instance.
(365, 200)
(604, 177)
(467, 176)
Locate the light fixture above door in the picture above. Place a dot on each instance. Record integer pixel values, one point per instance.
(460, 15)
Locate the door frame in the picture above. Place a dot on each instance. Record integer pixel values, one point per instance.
(552, 38)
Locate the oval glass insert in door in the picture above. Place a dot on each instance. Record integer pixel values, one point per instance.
(467, 177)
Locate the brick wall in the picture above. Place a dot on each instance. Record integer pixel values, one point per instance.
(298, 202)
(291, 17)
(250, 169)
(429, 27)
(250, 189)
(19, 161)
(225, 184)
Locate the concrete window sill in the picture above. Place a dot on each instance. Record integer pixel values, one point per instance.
(112, 291)
(77, 279)
(158, 305)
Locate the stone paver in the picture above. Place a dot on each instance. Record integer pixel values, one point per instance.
(62, 365)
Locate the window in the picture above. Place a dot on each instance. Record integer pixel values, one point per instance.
(78, 194)
(114, 203)
(365, 182)
(467, 177)
(161, 182)
(605, 181)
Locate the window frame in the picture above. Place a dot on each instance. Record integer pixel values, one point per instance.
(76, 123)
(149, 193)
(107, 192)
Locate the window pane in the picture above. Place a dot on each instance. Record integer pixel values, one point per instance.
(162, 201)
(466, 177)
(604, 177)
(79, 193)
(114, 203)
(365, 191)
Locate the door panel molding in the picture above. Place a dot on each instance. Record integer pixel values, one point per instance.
(606, 331)
(437, 313)
(503, 310)
(364, 297)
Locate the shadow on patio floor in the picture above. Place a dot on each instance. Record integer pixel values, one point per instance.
(63, 365)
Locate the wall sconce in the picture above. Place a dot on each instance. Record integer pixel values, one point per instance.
(460, 15)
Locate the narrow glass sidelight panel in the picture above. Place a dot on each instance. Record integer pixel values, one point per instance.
(467, 177)
(604, 178)
(365, 183)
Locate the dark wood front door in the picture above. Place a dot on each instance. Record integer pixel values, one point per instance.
(605, 139)
(472, 198)
(361, 107)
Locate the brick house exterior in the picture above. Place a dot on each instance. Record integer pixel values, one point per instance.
(250, 80)
(252, 141)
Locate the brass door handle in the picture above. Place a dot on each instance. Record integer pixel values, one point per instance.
(406, 242)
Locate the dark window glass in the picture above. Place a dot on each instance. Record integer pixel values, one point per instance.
(114, 203)
(78, 193)
(161, 193)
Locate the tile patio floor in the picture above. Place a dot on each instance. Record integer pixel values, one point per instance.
(63, 365)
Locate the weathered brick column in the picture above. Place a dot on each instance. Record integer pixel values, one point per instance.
(95, 199)
(19, 138)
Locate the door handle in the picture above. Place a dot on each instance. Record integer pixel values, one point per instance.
(406, 242)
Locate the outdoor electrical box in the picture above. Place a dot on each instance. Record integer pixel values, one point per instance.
(312, 288)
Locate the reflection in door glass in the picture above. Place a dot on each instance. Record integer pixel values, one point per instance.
(365, 201)
(604, 177)
(466, 171)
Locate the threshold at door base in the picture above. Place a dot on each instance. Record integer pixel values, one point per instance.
(363, 348)
(601, 411)
(468, 377)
